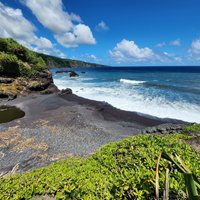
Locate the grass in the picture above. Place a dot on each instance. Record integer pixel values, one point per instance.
(120, 170)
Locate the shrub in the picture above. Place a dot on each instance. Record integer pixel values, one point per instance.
(25, 69)
(15, 59)
(194, 128)
(9, 64)
(120, 170)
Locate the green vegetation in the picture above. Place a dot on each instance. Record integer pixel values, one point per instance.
(175, 162)
(53, 61)
(120, 170)
(16, 60)
(193, 128)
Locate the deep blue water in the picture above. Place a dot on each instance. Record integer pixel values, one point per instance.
(160, 91)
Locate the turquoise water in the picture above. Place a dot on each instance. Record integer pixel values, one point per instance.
(162, 92)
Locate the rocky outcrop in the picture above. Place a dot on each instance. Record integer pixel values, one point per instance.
(66, 91)
(164, 129)
(38, 85)
(7, 95)
(62, 71)
(71, 73)
(41, 82)
(6, 80)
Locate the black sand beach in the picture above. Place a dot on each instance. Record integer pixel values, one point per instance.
(58, 126)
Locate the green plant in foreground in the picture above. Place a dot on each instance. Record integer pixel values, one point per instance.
(175, 162)
(119, 170)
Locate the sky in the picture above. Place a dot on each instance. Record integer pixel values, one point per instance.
(109, 32)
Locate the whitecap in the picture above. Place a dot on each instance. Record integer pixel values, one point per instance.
(133, 82)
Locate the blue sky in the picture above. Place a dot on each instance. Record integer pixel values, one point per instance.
(112, 32)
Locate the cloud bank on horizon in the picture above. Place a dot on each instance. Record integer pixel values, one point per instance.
(95, 32)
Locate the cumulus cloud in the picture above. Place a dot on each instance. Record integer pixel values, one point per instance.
(176, 42)
(67, 28)
(81, 34)
(15, 25)
(102, 26)
(194, 51)
(127, 50)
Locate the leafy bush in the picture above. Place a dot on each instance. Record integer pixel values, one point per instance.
(16, 60)
(120, 170)
(9, 64)
(194, 128)
(25, 69)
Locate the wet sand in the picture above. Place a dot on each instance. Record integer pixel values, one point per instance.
(59, 126)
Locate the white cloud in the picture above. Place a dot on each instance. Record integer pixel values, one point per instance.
(81, 34)
(166, 57)
(50, 14)
(160, 45)
(127, 50)
(176, 42)
(67, 28)
(102, 26)
(44, 42)
(14, 25)
(194, 51)
(89, 58)
(93, 58)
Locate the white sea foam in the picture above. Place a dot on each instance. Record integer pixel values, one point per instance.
(134, 82)
(123, 98)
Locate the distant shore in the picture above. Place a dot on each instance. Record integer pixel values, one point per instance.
(58, 126)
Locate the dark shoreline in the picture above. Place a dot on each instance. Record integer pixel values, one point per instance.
(114, 114)
(60, 126)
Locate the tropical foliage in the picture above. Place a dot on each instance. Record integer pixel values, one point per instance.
(16, 60)
(120, 170)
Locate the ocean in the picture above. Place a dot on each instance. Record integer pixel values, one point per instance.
(165, 92)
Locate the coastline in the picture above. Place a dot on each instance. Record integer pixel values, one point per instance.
(59, 126)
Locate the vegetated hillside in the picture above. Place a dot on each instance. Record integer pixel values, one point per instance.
(16, 60)
(53, 61)
(120, 170)
(22, 71)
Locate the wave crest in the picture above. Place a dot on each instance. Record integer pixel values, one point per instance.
(133, 82)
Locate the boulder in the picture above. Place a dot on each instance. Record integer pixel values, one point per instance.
(66, 91)
(73, 74)
(62, 71)
(164, 129)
